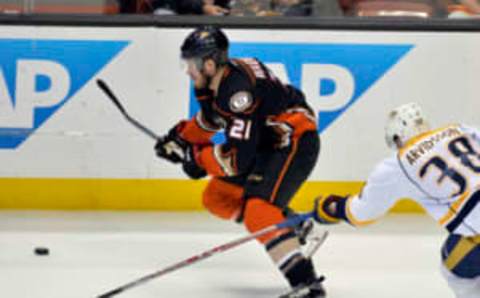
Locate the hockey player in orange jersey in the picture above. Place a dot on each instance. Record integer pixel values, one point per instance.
(271, 147)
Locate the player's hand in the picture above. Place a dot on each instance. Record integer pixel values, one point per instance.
(170, 149)
(214, 10)
(171, 146)
(190, 165)
(325, 210)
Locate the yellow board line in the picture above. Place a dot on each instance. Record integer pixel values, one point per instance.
(142, 194)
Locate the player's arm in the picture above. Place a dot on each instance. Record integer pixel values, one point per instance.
(196, 131)
(382, 190)
(201, 127)
(235, 156)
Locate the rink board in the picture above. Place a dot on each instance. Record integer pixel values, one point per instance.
(64, 145)
(144, 194)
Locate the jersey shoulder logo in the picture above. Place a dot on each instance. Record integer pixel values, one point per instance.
(240, 101)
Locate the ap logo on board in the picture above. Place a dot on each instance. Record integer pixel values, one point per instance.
(37, 77)
(332, 76)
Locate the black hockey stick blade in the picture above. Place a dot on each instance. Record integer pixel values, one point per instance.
(104, 87)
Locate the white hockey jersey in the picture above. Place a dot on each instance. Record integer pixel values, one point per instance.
(439, 169)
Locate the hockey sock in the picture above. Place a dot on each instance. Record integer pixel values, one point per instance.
(285, 252)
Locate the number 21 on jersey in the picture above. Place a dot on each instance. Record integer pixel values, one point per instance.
(240, 129)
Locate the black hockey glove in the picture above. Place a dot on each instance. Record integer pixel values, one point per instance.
(190, 166)
(171, 146)
(330, 209)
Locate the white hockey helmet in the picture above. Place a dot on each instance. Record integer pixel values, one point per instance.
(403, 123)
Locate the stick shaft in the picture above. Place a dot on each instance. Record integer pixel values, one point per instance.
(104, 87)
(142, 128)
(206, 254)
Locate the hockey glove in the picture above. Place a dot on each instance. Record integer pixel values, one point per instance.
(171, 146)
(190, 165)
(330, 210)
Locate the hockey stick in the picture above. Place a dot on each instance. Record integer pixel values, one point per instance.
(290, 222)
(104, 87)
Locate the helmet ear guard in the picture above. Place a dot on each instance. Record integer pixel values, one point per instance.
(403, 123)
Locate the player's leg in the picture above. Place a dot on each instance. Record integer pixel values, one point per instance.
(461, 265)
(223, 198)
(268, 190)
(296, 174)
(298, 170)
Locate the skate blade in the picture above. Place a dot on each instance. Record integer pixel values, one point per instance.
(296, 293)
(314, 242)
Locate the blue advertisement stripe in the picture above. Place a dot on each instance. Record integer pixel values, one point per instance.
(81, 59)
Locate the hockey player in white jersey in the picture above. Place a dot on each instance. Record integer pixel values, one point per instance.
(440, 169)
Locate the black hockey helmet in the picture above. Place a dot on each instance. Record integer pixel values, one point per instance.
(206, 42)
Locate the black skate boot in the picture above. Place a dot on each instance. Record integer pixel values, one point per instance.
(314, 289)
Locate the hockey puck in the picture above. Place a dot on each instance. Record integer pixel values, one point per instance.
(41, 251)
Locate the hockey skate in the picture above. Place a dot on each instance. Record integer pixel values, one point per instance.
(313, 290)
(309, 238)
(303, 230)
